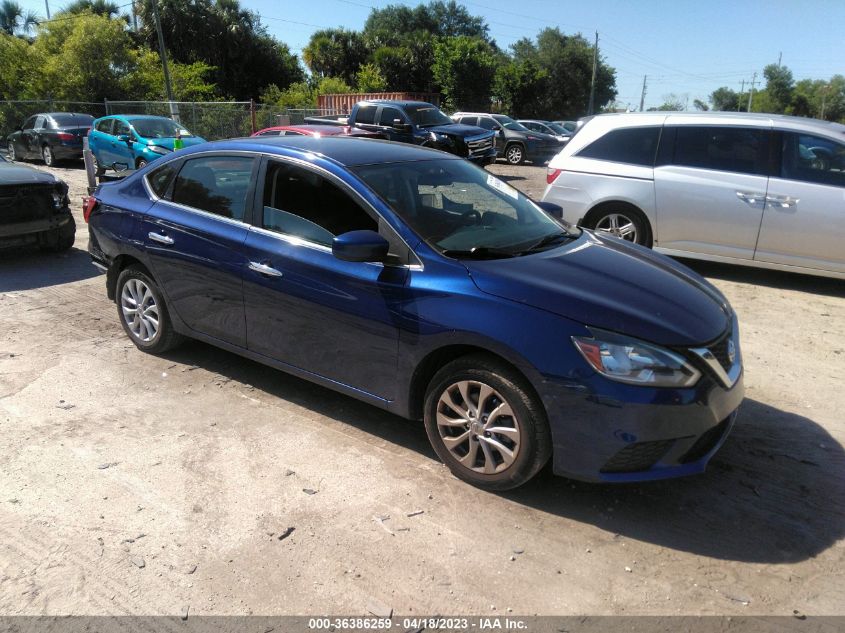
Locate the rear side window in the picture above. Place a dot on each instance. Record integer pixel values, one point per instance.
(302, 203)
(216, 184)
(469, 120)
(366, 114)
(160, 179)
(635, 146)
(735, 149)
(813, 159)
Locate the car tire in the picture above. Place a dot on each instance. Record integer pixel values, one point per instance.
(60, 239)
(458, 405)
(623, 221)
(141, 163)
(99, 170)
(143, 312)
(515, 154)
(47, 156)
(12, 155)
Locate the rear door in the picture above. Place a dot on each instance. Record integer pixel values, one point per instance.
(489, 123)
(710, 186)
(805, 205)
(102, 138)
(25, 138)
(194, 237)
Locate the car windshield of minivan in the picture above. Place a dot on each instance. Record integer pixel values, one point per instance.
(463, 211)
(427, 116)
(159, 128)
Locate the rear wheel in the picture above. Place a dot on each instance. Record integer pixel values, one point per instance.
(486, 424)
(47, 155)
(514, 154)
(143, 312)
(12, 155)
(621, 221)
(99, 170)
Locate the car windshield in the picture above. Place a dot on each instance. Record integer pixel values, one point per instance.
(463, 211)
(159, 128)
(72, 120)
(427, 116)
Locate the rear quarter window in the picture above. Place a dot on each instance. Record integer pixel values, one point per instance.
(634, 146)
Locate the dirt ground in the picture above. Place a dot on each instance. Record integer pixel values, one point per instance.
(135, 484)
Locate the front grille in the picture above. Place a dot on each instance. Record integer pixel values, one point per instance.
(25, 203)
(720, 351)
(637, 457)
(706, 443)
(480, 146)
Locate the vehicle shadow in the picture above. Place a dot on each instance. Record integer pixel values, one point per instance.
(26, 268)
(769, 278)
(775, 492)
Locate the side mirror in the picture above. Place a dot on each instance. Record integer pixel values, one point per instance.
(401, 126)
(554, 210)
(360, 246)
(124, 138)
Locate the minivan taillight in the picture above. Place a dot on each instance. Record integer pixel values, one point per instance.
(552, 174)
(89, 203)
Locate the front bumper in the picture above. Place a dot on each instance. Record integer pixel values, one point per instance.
(611, 432)
(27, 232)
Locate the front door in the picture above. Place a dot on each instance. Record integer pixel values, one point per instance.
(306, 308)
(710, 189)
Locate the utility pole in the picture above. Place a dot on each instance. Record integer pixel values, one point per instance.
(751, 92)
(134, 18)
(780, 56)
(642, 95)
(174, 109)
(824, 101)
(593, 82)
(47, 4)
(739, 98)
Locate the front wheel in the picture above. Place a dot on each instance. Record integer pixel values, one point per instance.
(486, 424)
(99, 170)
(47, 155)
(141, 163)
(143, 312)
(514, 154)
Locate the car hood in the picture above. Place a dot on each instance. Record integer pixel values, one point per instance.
(188, 141)
(611, 284)
(457, 129)
(14, 174)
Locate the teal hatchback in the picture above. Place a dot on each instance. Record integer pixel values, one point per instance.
(131, 141)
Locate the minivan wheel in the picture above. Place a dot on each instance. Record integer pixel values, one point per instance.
(628, 224)
(486, 424)
(47, 155)
(514, 154)
(143, 312)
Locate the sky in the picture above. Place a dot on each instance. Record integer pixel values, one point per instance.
(683, 47)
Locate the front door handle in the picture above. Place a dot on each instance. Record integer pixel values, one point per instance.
(264, 269)
(751, 198)
(782, 202)
(161, 239)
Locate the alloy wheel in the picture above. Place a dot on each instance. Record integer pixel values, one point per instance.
(12, 156)
(478, 427)
(619, 225)
(514, 155)
(47, 155)
(140, 311)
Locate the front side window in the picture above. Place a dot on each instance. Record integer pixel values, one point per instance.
(634, 146)
(461, 210)
(29, 124)
(735, 149)
(813, 159)
(487, 123)
(121, 127)
(40, 121)
(388, 115)
(304, 204)
(216, 184)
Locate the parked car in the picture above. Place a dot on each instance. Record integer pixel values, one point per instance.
(50, 136)
(737, 188)
(420, 283)
(514, 142)
(132, 141)
(34, 209)
(547, 127)
(569, 126)
(310, 129)
(419, 123)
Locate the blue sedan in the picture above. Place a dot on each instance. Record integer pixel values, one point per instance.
(420, 283)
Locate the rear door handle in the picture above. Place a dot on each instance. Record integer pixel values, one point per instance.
(161, 239)
(751, 198)
(264, 269)
(782, 202)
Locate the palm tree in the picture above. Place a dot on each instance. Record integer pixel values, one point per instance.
(13, 20)
(97, 7)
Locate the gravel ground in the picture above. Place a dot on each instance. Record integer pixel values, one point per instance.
(135, 484)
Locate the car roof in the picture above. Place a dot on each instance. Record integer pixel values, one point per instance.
(137, 117)
(399, 103)
(347, 151)
(716, 117)
(52, 114)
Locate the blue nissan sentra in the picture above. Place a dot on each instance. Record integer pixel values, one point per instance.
(420, 283)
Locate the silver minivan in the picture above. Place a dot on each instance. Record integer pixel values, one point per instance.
(752, 189)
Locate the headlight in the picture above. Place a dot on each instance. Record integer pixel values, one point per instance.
(158, 149)
(631, 361)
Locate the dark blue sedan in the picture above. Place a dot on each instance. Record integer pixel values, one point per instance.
(420, 283)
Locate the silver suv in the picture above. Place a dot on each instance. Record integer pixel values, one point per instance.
(759, 190)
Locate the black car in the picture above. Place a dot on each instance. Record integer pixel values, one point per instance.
(34, 209)
(50, 136)
(514, 142)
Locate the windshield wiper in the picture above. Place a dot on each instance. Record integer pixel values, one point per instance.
(548, 240)
(479, 252)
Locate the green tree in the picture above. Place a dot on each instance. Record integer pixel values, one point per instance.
(14, 20)
(335, 53)
(370, 79)
(19, 68)
(671, 103)
(779, 87)
(724, 99)
(464, 67)
(700, 105)
(146, 80)
(332, 86)
(297, 95)
(98, 7)
(519, 87)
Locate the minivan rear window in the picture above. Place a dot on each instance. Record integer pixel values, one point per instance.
(634, 146)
